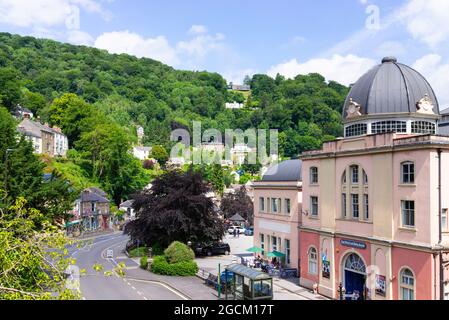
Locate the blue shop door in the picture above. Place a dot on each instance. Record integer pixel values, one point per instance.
(354, 282)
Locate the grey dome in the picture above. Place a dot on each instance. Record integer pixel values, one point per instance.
(289, 170)
(390, 87)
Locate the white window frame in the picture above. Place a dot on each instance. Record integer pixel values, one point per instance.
(408, 214)
(261, 204)
(288, 207)
(344, 200)
(355, 205)
(410, 287)
(314, 205)
(287, 250)
(355, 173)
(444, 218)
(312, 256)
(274, 243)
(410, 174)
(314, 175)
(366, 215)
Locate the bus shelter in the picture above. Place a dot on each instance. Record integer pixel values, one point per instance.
(250, 284)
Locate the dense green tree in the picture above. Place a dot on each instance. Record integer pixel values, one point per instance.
(33, 101)
(28, 271)
(10, 93)
(160, 154)
(217, 179)
(73, 115)
(107, 146)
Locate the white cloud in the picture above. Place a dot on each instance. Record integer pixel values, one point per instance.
(390, 48)
(156, 48)
(426, 20)
(201, 45)
(197, 29)
(80, 38)
(437, 73)
(47, 13)
(343, 69)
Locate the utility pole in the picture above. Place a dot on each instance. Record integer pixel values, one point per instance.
(219, 281)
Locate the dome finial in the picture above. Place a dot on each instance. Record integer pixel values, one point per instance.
(389, 59)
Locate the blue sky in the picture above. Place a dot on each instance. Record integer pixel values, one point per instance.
(340, 39)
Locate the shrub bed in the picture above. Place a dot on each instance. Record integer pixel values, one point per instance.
(138, 252)
(144, 262)
(161, 266)
(178, 252)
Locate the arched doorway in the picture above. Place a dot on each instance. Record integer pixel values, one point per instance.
(354, 271)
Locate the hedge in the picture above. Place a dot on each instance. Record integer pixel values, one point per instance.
(161, 266)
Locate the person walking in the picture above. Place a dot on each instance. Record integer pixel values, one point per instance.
(235, 232)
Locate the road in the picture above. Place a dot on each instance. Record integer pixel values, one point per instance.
(96, 286)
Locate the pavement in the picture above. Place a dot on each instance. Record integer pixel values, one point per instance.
(282, 289)
(97, 286)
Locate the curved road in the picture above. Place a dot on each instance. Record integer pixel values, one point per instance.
(96, 286)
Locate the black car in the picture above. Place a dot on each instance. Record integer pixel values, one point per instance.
(210, 249)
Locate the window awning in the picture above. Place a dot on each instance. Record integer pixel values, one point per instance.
(71, 223)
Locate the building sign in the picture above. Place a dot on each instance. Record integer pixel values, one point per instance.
(326, 269)
(381, 285)
(353, 244)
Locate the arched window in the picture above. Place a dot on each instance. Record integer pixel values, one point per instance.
(313, 175)
(354, 174)
(355, 264)
(406, 284)
(343, 178)
(365, 178)
(313, 261)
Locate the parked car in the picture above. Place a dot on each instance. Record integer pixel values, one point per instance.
(215, 248)
(240, 230)
(249, 231)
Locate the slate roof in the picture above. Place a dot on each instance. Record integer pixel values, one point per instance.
(127, 204)
(390, 87)
(89, 195)
(289, 170)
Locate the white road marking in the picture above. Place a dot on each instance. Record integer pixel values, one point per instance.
(163, 285)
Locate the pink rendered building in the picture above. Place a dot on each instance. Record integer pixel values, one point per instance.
(277, 211)
(370, 209)
(375, 219)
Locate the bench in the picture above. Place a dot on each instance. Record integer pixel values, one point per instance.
(212, 280)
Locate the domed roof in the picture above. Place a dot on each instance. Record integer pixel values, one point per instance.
(289, 170)
(390, 87)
